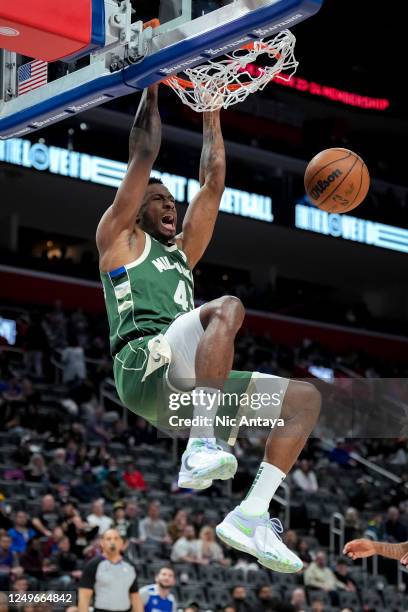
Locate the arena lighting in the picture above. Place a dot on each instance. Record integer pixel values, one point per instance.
(345, 97)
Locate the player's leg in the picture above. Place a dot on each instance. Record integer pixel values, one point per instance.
(248, 527)
(202, 343)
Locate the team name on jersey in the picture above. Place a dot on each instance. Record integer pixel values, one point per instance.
(162, 264)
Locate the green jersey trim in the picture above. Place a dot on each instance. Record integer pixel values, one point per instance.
(144, 255)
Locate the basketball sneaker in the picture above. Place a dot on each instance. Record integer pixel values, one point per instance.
(204, 462)
(259, 536)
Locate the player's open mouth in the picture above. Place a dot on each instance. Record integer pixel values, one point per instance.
(169, 222)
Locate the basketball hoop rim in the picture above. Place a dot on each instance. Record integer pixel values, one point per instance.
(187, 84)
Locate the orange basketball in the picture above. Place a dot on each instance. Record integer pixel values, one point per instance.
(337, 180)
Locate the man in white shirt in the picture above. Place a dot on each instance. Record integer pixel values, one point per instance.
(185, 548)
(98, 517)
(153, 527)
(304, 477)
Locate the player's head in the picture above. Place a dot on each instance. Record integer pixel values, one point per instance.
(158, 215)
(165, 577)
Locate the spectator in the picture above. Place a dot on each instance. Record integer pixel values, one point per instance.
(291, 539)
(319, 576)
(86, 488)
(158, 597)
(80, 534)
(32, 558)
(340, 455)
(9, 568)
(298, 600)
(20, 585)
(342, 574)
(132, 515)
(303, 552)
(8, 558)
(65, 561)
(73, 361)
(134, 478)
(268, 602)
(98, 518)
(317, 606)
(305, 478)
(352, 524)
(177, 525)
(192, 607)
(36, 470)
(153, 527)
(109, 579)
(36, 345)
(120, 522)
(239, 599)
(394, 529)
(113, 489)
(185, 548)
(51, 544)
(48, 517)
(20, 533)
(208, 550)
(58, 469)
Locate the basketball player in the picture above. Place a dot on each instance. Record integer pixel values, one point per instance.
(161, 343)
(358, 549)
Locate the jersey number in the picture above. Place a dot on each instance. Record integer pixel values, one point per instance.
(181, 298)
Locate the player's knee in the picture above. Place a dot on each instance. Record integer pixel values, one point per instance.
(231, 310)
(302, 398)
(312, 400)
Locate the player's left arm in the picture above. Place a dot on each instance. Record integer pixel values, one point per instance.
(201, 215)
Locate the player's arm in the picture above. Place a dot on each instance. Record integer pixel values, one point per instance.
(199, 221)
(144, 146)
(84, 599)
(357, 549)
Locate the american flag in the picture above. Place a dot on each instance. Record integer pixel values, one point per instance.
(32, 75)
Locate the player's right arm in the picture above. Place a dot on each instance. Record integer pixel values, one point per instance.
(357, 549)
(118, 222)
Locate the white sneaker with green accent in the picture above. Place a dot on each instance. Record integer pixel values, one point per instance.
(204, 462)
(259, 536)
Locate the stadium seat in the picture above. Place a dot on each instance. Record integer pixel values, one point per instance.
(188, 594)
(218, 597)
(314, 594)
(348, 600)
(188, 569)
(212, 574)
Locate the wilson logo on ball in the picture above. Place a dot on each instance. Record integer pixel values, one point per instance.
(321, 186)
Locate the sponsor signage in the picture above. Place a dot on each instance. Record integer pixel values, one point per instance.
(110, 173)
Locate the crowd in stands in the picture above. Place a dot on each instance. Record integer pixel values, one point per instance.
(71, 467)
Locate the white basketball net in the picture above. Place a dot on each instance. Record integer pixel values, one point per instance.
(222, 83)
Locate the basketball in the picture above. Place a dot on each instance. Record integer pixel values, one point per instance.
(337, 180)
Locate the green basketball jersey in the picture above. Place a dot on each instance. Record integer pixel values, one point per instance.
(145, 296)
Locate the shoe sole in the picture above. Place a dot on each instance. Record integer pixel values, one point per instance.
(196, 478)
(270, 564)
(197, 485)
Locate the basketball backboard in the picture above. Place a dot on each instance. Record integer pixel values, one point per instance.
(133, 54)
